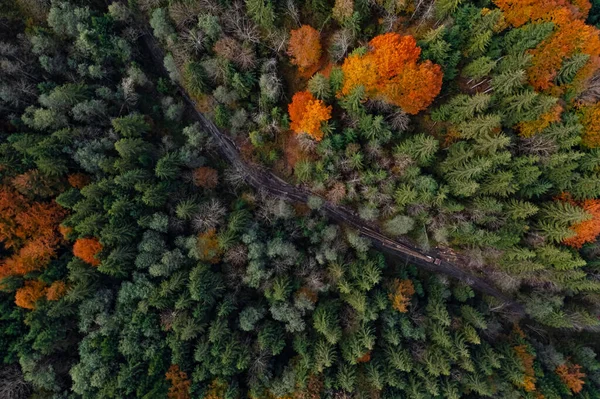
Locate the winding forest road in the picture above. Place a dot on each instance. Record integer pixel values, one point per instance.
(264, 180)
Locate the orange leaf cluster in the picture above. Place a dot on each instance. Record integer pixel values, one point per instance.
(217, 390)
(571, 376)
(206, 177)
(86, 249)
(590, 119)
(32, 183)
(307, 113)
(308, 294)
(57, 290)
(571, 36)
(304, 47)
(28, 295)
(29, 230)
(208, 246)
(588, 230)
(180, 384)
(519, 12)
(79, 180)
(391, 70)
(402, 291)
(527, 361)
(531, 128)
(364, 358)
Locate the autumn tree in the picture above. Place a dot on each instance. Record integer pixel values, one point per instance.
(590, 119)
(206, 177)
(588, 230)
(28, 295)
(87, 249)
(29, 230)
(402, 291)
(208, 246)
(79, 180)
(180, 384)
(572, 376)
(526, 359)
(307, 113)
(571, 36)
(530, 128)
(304, 47)
(56, 290)
(390, 70)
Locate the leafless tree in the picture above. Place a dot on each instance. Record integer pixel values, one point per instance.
(13, 384)
(238, 24)
(340, 43)
(194, 40)
(399, 120)
(210, 214)
(538, 145)
(591, 94)
(184, 13)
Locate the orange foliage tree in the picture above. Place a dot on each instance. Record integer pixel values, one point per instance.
(307, 113)
(390, 70)
(28, 295)
(527, 360)
(79, 180)
(57, 290)
(206, 177)
(32, 183)
(588, 230)
(402, 291)
(180, 384)
(572, 376)
(86, 249)
(590, 119)
(29, 230)
(208, 246)
(531, 128)
(519, 12)
(571, 36)
(304, 47)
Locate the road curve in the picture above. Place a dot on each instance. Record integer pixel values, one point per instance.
(264, 180)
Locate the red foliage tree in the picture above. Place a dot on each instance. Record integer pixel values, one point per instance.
(180, 384)
(206, 177)
(391, 70)
(304, 47)
(86, 249)
(28, 295)
(307, 113)
(572, 376)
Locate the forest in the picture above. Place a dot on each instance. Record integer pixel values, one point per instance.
(299, 199)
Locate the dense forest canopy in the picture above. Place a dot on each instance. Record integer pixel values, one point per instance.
(144, 255)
